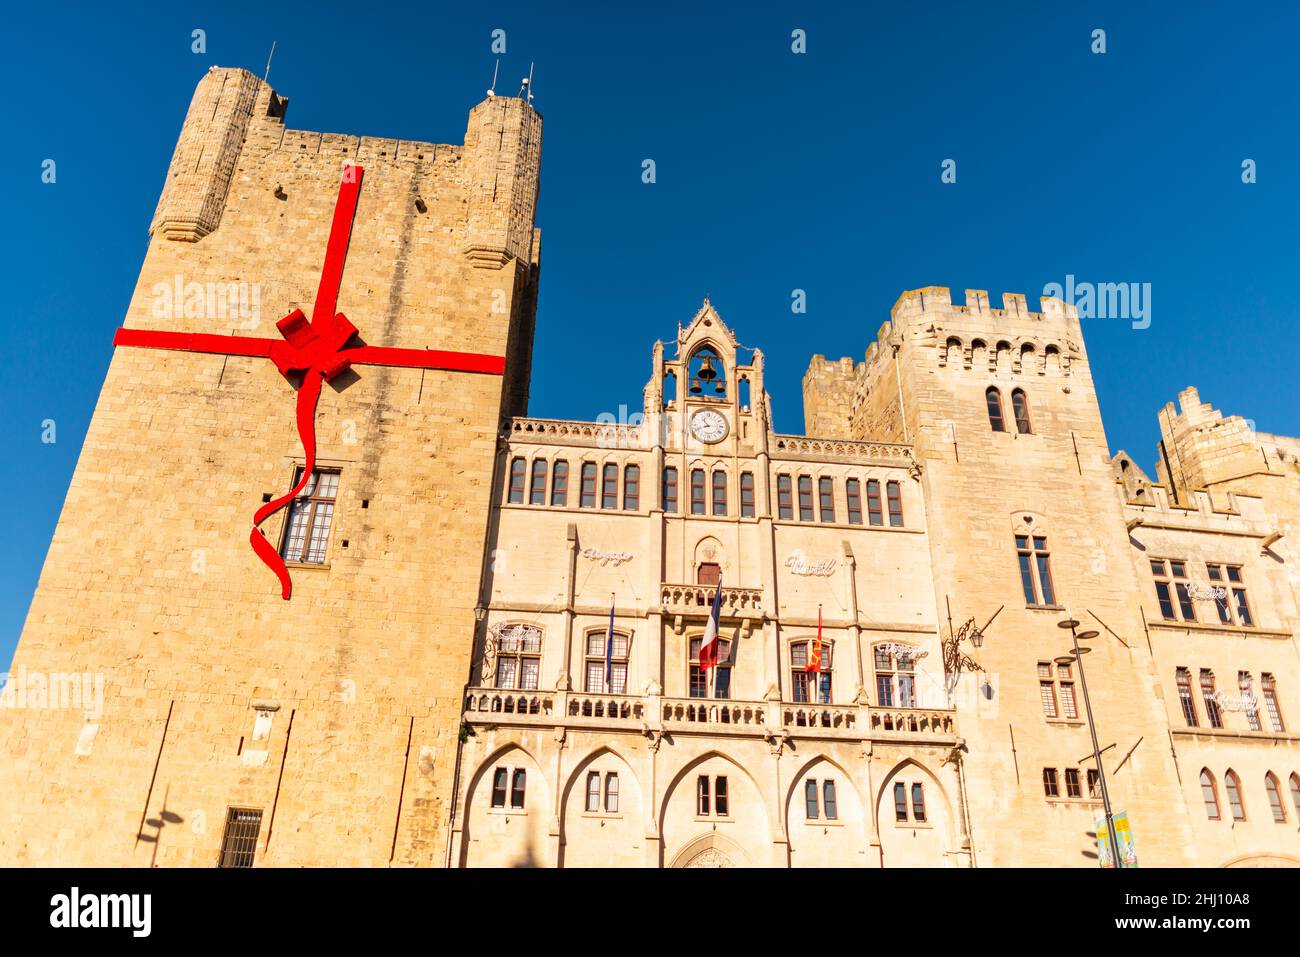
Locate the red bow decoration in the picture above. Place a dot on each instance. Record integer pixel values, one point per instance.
(317, 350)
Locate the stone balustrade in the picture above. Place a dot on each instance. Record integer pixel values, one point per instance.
(695, 600)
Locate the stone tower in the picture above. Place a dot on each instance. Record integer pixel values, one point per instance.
(327, 725)
(1038, 482)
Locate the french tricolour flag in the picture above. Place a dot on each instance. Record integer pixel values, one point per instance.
(710, 644)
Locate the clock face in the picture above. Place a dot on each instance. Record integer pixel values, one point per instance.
(709, 426)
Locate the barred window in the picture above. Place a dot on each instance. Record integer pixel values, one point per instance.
(588, 492)
(631, 488)
(307, 530)
(1185, 698)
(670, 489)
(853, 496)
(239, 842)
(784, 505)
(747, 494)
(537, 490)
(560, 483)
(1210, 699)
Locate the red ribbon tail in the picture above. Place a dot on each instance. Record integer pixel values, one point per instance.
(308, 396)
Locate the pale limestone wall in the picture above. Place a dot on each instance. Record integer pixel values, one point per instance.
(150, 581)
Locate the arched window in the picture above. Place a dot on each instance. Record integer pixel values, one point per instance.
(1275, 797)
(1209, 794)
(707, 373)
(994, 399)
(1020, 406)
(670, 388)
(744, 393)
(1295, 792)
(517, 467)
(1232, 784)
(952, 352)
(537, 489)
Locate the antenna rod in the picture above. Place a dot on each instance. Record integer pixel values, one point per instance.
(268, 62)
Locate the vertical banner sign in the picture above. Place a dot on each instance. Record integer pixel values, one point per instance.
(1124, 834)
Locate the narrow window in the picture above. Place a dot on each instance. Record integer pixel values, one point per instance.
(1271, 705)
(239, 843)
(593, 790)
(1248, 704)
(631, 488)
(895, 496)
(1294, 781)
(702, 796)
(1020, 406)
(1233, 786)
(810, 799)
(517, 784)
(826, 499)
(307, 531)
(853, 495)
(698, 677)
(1066, 685)
(670, 489)
(828, 800)
(1209, 794)
(1179, 570)
(537, 489)
(784, 506)
(1072, 788)
(1239, 597)
(719, 492)
(1220, 604)
(611, 793)
(1047, 689)
(517, 467)
(805, 499)
(918, 803)
(994, 399)
(1275, 798)
(499, 787)
(1159, 570)
(1185, 698)
(801, 680)
(1050, 787)
(1210, 699)
(1035, 571)
(900, 801)
(747, 494)
(873, 502)
(560, 483)
(697, 491)
(609, 487)
(1094, 784)
(720, 796)
(588, 499)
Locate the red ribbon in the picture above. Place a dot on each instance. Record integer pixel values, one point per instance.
(317, 350)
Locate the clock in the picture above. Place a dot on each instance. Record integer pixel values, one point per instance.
(709, 426)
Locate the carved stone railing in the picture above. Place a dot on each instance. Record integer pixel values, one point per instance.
(826, 716)
(508, 701)
(714, 711)
(695, 600)
(842, 450)
(911, 721)
(611, 707)
(602, 435)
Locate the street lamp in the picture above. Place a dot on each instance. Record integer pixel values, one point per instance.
(1077, 658)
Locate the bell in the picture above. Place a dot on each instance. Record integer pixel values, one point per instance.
(706, 370)
(720, 389)
(695, 387)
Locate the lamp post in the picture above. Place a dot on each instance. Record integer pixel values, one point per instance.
(1077, 657)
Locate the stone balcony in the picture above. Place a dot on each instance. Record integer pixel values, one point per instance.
(679, 601)
(770, 719)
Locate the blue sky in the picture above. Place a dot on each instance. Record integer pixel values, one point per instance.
(775, 172)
